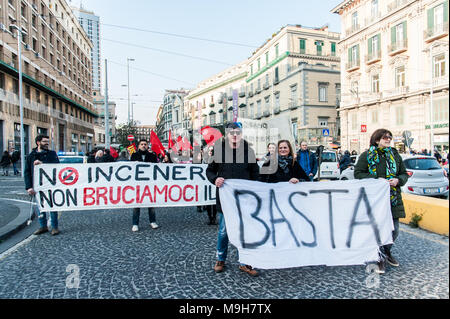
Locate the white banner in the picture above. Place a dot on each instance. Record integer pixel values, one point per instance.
(63, 187)
(327, 223)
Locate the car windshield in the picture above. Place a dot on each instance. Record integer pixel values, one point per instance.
(71, 160)
(328, 157)
(422, 164)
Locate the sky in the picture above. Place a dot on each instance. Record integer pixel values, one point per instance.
(169, 62)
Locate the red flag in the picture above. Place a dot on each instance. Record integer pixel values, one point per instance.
(186, 145)
(171, 143)
(157, 146)
(210, 135)
(113, 152)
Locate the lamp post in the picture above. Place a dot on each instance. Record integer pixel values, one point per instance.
(132, 112)
(128, 72)
(19, 55)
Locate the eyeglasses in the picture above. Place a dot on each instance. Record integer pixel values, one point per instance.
(387, 137)
(235, 133)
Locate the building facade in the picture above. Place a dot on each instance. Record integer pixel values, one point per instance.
(143, 132)
(395, 54)
(172, 114)
(91, 25)
(99, 123)
(57, 79)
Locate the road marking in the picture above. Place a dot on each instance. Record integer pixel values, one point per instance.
(16, 247)
(423, 237)
(17, 200)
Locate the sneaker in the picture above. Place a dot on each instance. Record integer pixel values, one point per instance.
(41, 231)
(54, 232)
(391, 260)
(154, 225)
(249, 270)
(135, 228)
(218, 267)
(381, 267)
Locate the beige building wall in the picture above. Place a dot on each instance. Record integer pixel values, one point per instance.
(56, 75)
(387, 84)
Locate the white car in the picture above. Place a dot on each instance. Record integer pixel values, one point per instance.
(329, 169)
(348, 173)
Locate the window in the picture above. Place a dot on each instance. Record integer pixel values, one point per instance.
(439, 19)
(374, 9)
(439, 66)
(258, 108)
(373, 47)
(276, 51)
(319, 45)
(354, 89)
(375, 83)
(398, 36)
(399, 116)
(267, 58)
(400, 77)
(302, 46)
(333, 48)
(2, 81)
(251, 69)
(251, 110)
(276, 75)
(267, 104)
(354, 121)
(294, 126)
(355, 25)
(294, 96)
(374, 116)
(323, 94)
(38, 96)
(259, 64)
(277, 101)
(440, 110)
(323, 122)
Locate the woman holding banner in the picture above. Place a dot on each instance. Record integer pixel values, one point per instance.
(384, 161)
(289, 170)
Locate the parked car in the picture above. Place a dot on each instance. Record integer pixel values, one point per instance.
(348, 173)
(72, 158)
(426, 177)
(329, 168)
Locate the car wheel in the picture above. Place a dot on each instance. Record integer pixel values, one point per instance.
(344, 179)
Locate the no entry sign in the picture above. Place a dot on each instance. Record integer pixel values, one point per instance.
(130, 138)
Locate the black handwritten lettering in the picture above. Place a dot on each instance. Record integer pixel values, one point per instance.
(48, 199)
(176, 171)
(138, 172)
(313, 243)
(197, 171)
(43, 173)
(273, 201)
(107, 176)
(165, 175)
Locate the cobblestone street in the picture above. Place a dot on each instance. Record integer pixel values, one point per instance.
(176, 261)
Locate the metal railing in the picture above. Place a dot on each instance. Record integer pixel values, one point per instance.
(352, 65)
(397, 46)
(438, 29)
(373, 56)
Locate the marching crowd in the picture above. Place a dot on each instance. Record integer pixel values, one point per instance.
(381, 160)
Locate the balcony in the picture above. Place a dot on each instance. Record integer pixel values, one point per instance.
(397, 47)
(373, 57)
(266, 113)
(258, 90)
(400, 91)
(371, 97)
(276, 110)
(352, 30)
(293, 105)
(352, 66)
(211, 105)
(242, 94)
(250, 94)
(436, 32)
(266, 86)
(373, 18)
(396, 4)
(276, 81)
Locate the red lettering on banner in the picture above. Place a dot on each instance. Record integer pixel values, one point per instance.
(180, 193)
(111, 193)
(158, 191)
(184, 193)
(123, 194)
(138, 194)
(146, 193)
(196, 193)
(87, 196)
(102, 195)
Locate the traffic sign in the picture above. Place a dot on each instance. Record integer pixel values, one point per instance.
(130, 138)
(363, 128)
(326, 132)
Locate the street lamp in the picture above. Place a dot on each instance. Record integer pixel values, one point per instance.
(132, 112)
(128, 72)
(19, 54)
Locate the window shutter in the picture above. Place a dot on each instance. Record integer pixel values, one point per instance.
(349, 55)
(446, 11)
(405, 33)
(302, 44)
(379, 42)
(393, 36)
(430, 13)
(357, 52)
(369, 46)
(333, 47)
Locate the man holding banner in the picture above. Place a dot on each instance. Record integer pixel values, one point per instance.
(41, 155)
(233, 159)
(143, 155)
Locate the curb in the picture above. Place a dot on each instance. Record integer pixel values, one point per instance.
(19, 223)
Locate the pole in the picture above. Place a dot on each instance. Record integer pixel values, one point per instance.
(431, 100)
(22, 140)
(128, 72)
(107, 136)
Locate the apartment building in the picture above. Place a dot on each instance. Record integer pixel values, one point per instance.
(57, 76)
(395, 74)
(143, 132)
(296, 72)
(99, 123)
(172, 114)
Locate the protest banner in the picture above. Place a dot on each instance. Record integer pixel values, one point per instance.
(329, 223)
(121, 185)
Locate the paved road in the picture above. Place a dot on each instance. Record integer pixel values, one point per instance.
(176, 261)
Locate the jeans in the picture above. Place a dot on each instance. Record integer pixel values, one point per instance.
(212, 212)
(42, 217)
(137, 213)
(16, 171)
(222, 240)
(395, 232)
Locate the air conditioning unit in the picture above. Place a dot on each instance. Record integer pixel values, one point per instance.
(37, 54)
(2, 27)
(27, 47)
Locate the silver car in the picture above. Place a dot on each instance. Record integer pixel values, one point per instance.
(426, 177)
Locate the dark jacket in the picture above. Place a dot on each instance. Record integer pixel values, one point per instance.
(362, 171)
(312, 162)
(6, 160)
(345, 162)
(295, 171)
(46, 157)
(149, 157)
(249, 169)
(15, 157)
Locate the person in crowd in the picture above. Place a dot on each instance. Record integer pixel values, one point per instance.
(15, 158)
(271, 151)
(99, 156)
(384, 161)
(289, 170)
(144, 155)
(41, 155)
(345, 161)
(91, 156)
(5, 162)
(354, 152)
(167, 159)
(123, 156)
(438, 156)
(210, 209)
(219, 170)
(307, 160)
